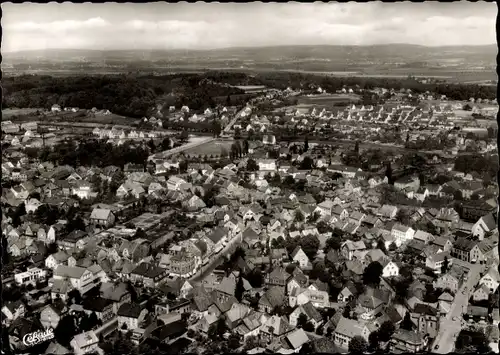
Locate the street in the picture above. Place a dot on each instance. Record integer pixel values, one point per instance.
(233, 121)
(449, 328)
(207, 269)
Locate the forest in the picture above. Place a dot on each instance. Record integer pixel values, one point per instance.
(136, 95)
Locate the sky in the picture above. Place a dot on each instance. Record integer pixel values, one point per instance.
(199, 25)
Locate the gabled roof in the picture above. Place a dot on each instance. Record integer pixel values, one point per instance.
(349, 327)
(129, 310)
(69, 271)
(100, 213)
(218, 234)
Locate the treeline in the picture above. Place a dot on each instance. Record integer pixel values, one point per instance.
(136, 95)
(126, 95)
(283, 80)
(94, 153)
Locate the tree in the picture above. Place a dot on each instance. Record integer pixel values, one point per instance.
(252, 165)
(255, 278)
(310, 245)
(388, 173)
(308, 327)
(239, 289)
(301, 320)
(66, 329)
(407, 322)
(216, 128)
(299, 216)
(373, 341)
(245, 146)
(184, 136)
(307, 163)
(237, 133)
(358, 345)
(372, 274)
(356, 148)
(306, 144)
(386, 331)
(444, 266)
(472, 342)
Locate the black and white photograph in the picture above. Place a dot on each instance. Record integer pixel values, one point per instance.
(208, 178)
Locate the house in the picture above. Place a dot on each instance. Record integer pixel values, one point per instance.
(347, 329)
(436, 260)
(273, 297)
(491, 278)
(390, 268)
(59, 258)
(82, 189)
(116, 293)
(194, 203)
(102, 217)
(13, 310)
(484, 225)
(31, 276)
(350, 248)
(298, 256)
(451, 280)
(266, 164)
(318, 298)
(423, 236)
(102, 307)
(295, 340)
(269, 139)
(85, 343)
(402, 234)
(52, 314)
(174, 183)
(130, 316)
(80, 278)
(407, 341)
(347, 293)
(408, 182)
(388, 211)
(147, 274)
(133, 168)
(275, 327)
(60, 290)
(467, 250)
(481, 293)
(426, 318)
(32, 205)
(310, 312)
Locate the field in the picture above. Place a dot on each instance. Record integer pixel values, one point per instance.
(212, 148)
(328, 100)
(17, 113)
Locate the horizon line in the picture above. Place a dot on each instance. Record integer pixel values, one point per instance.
(250, 47)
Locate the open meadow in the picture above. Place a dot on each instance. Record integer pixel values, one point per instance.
(214, 148)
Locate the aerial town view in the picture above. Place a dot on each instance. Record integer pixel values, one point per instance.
(202, 178)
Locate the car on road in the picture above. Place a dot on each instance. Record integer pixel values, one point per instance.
(436, 347)
(454, 318)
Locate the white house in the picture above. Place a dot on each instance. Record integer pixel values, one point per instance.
(300, 257)
(402, 234)
(32, 276)
(491, 279)
(79, 277)
(266, 164)
(85, 343)
(390, 268)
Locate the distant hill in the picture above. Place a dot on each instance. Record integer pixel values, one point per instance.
(386, 52)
